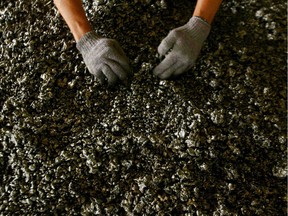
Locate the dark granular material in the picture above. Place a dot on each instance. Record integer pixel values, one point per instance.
(212, 142)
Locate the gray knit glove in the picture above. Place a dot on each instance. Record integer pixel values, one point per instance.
(104, 58)
(181, 48)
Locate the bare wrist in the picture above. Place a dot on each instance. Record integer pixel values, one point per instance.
(79, 29)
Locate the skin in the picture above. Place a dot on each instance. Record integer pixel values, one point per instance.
(74, 15)
(207, 9)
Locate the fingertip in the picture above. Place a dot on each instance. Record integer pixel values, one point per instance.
(121, 70)
(160, 73)
(101, 79)
(98, 75)
(167, 64)
(156, 70)
(111, 76)
(162, 48)
(170, 67)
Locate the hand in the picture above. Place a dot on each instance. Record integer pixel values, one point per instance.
(104, 58)
(181, 48)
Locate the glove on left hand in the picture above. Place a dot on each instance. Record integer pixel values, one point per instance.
(104, 58)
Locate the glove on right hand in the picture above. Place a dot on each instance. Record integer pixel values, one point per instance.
(104, 58)
(181, 48)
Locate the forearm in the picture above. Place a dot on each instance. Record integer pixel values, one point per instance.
(74, 15)
(207, 9)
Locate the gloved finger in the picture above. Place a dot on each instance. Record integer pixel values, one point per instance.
(119, 70)
(184, 69)
(168, 73)
(167, 63)
(118, 55)
(122, 59)
(111, 76)
(97, 72)
(100, 77)
(180, 70)
(167, 43)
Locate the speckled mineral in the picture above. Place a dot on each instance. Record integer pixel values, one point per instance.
(212, 142)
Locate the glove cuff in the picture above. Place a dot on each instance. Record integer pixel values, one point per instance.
(87, 41)
(200, 27)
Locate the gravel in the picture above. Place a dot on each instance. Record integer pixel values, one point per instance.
(212, 142)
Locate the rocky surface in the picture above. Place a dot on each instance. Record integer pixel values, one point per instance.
(212, 142)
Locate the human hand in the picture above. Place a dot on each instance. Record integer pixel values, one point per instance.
(181, 48)
(104, 58)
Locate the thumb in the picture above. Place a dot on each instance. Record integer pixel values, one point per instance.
(167, 43)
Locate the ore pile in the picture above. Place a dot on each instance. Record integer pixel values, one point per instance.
(212, 142)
